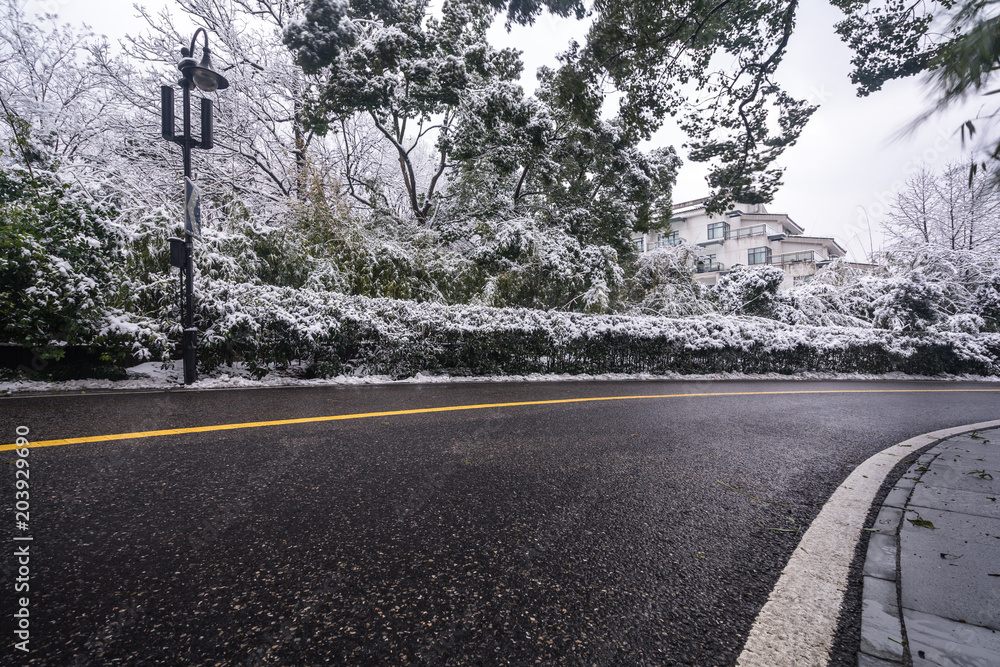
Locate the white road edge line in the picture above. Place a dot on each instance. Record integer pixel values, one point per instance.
(796, 626)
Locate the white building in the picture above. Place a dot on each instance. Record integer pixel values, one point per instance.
(748, 235)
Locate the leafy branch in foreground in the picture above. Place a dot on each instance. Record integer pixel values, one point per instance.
(712, 65)
(664, 57)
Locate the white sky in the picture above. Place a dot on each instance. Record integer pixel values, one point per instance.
(837, 177)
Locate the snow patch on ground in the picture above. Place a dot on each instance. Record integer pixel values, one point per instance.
(152, 376)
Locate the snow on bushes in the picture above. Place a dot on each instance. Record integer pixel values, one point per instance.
(749, 290)
(326, 334)
(72, 275)
(58, 251)
(663, 284)
(915, 288)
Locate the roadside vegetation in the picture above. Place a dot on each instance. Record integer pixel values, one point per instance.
(386, 199)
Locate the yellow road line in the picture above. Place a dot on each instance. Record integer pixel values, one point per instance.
(453, 408)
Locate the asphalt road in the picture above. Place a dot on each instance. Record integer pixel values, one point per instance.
(584, 533)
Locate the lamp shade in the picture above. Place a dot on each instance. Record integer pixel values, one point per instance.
(205, 77)
(208, 80)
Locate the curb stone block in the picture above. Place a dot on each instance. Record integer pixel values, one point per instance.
(881, 631)
(897, 497)
(880, 561)
(887, 521)
(865, 660)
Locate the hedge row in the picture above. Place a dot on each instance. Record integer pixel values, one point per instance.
(326, 334)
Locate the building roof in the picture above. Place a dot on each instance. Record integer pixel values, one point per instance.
(694, 203)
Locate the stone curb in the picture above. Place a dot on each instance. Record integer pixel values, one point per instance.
(883, 630)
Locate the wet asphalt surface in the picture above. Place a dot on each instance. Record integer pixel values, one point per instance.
(572, 534)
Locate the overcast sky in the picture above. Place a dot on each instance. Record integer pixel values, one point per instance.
(838, 177)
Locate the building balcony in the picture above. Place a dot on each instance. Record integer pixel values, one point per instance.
(797, 257)
(709, 268)
(756, 230)
(667, 243)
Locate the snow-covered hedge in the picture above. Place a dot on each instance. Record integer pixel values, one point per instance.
(59, 253)
(325, 333)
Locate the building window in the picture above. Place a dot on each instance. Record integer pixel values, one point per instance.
(640, 244)
(759, 255)
(670, 240)
(707, 264)
(718, 230)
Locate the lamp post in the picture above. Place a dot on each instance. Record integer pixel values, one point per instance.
(208, 80)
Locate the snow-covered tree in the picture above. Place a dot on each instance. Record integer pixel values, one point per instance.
(555, 157)
(663, 283)
(407, 71)
(60, 278)
(748, 290)
(45, 81)
(947, 209)
(263, 150)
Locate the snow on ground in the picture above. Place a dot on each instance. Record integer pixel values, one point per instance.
(152, 375)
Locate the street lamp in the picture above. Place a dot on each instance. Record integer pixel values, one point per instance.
(208, 80)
